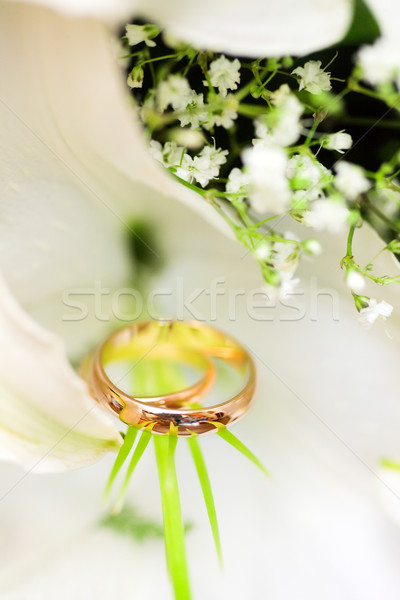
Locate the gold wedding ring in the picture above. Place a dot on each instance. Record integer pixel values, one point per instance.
(190, 342)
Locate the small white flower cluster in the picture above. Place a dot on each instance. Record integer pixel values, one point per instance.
(327, 215)
(281, 124)
(339, 141)
(375, 310)
(380, 62)
(135, 34)
(189, 106)
(265, 165)
(350, 180)
(279, 173)
(312, 78)
(224, 74)
(238, 183)
(307, 175)
(201, 168)
(284, 257)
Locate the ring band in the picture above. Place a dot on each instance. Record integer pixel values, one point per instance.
(187, 339)
(93, 369)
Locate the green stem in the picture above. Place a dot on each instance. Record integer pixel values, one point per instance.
(380, 215)
(349, 251)
(174, 532)
(250, 110)
(354, 86)
(151, 60)
(367, 122)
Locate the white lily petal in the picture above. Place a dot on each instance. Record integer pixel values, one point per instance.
(48, 420)
(72, 176)
(113, 11)
(387, 14)
(255, 28)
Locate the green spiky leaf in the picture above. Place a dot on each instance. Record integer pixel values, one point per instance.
(174, 533)
(204, 479)
(233, 441)
(136, 456)
(123, 453)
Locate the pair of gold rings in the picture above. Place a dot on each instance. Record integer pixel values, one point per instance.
(195, 345)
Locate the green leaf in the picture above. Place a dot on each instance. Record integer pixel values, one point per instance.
(174, 532)
(207, 492)
(122, 455)
(364, 27)
(137, 455)
(233, 441)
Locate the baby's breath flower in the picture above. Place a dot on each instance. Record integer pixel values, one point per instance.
(286, 255)
(238, 183)
(222, 112)
(189, 138)
(279, 96)
(282, 123)
(224, 74)
(327, 215)
(135, 34)
(355, 281)
(306, 173)
(191, 170)
(284, 289)
(265, 165)
(312, 246)
(350, 180)
(215, 156)
(312, 78)
(339, 141)
(174, 91)
(380, 62)
(170, 155)
(135, 77)
(373, 311)
(192, 111)
(202, 168)
(195, 169)
(263, 251)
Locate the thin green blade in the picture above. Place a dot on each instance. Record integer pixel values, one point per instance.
(174, 532)
(122, 455)
(233, 441)
(136, 456)
(204, 479)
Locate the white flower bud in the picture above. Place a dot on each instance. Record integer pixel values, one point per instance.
(355, 281)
